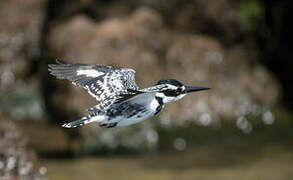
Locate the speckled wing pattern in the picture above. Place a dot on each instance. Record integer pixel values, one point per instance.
(155, 88)
(105, 83)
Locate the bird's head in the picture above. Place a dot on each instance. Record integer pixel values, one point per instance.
(175, 90)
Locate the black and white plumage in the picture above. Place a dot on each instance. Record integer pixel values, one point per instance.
(121, 101)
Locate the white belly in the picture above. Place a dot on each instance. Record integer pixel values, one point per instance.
(151, 106)
(134, 120)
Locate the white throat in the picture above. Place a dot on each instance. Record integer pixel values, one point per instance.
(168, 99)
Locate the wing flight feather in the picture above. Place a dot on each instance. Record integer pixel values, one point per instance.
(105, 83)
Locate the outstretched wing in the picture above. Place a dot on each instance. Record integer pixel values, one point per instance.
(102, 82)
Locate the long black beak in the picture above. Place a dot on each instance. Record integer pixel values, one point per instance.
(189, 89)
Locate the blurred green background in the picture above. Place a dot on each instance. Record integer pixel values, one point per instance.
(240, 129)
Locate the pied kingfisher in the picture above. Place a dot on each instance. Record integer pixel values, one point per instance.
(121, 101)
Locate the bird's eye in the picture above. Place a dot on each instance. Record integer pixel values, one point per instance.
(171, 93)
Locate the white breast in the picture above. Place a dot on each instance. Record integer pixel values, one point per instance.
(153, 105)
(168, 99)
(148, 101)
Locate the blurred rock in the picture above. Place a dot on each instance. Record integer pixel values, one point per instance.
(64, 8)
(218, 18)
(16, 160)
(20, 34)
(240, 86)
(56, 140)
(213, 17)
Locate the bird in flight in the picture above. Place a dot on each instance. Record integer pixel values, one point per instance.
(121, 101)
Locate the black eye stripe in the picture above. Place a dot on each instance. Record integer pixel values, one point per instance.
(171, 92)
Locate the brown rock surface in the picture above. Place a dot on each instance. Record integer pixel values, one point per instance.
(46, 138)
(16, 160)
(219, 18)
(20, 34)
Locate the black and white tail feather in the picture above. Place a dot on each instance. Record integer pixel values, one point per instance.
(85, 120)
(121, 101)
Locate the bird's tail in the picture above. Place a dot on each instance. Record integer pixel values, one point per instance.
(85, 120)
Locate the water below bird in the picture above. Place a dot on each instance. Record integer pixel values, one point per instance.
(203, 162)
